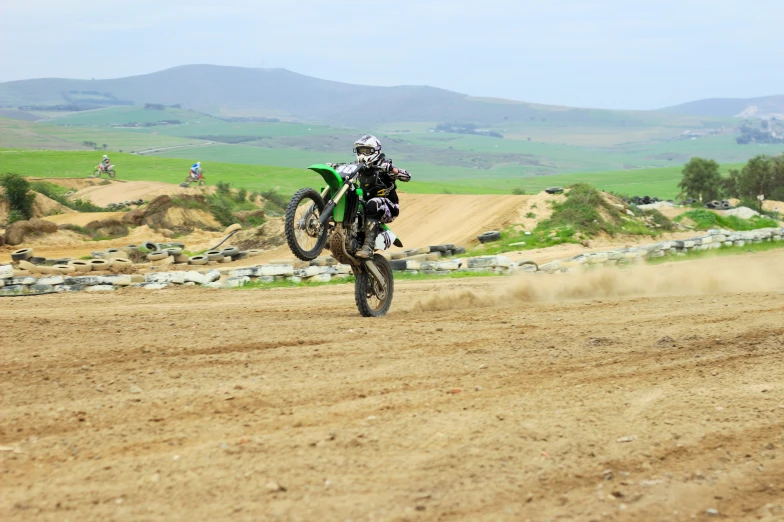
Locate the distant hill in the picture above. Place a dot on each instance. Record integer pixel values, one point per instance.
(731, 107)
(278, 93)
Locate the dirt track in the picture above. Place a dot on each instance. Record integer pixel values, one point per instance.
(482, 399)
(118, 192)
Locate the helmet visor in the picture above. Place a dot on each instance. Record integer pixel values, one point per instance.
(364, 150)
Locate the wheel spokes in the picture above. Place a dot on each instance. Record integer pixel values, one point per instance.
(376, 295)
(306, 224)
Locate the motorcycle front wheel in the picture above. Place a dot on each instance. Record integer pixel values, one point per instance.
(304, 233)
(373, 300)
(96, 174)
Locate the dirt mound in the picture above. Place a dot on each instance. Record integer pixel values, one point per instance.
(107, 228)
(16, 232)
(182, 214)
(433, 219)
(72, 183)
(537, 208)
(43, 206)
(119, 191)
(249, 216)
(269, 235)
(81, 219)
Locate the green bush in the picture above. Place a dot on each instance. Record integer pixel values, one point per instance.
(241, 196)
(18, 195)
(15, 215)
(580, 211)
(275, 201)
(223, 188)
(705, 219)
(660, 219)
(222, 212)
(190, 203)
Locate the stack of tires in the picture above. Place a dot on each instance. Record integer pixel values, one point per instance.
(26, 260)
(719, 205)
(642, 200)
(162, 251)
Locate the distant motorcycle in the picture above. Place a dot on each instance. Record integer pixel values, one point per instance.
(100, 169)
(191, 178)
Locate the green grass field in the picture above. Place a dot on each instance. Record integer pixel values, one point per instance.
(27, 135)
(64, 164)
(131, 167)
(130, 114)
(453, 162)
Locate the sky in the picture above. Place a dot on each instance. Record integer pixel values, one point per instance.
(614, 54)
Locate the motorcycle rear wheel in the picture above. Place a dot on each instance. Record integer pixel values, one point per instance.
(112, 174)
(371, 299)
(304, 234)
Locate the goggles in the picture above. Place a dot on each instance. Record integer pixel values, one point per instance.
(364, 151)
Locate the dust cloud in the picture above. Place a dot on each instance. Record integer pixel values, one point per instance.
(691, 278)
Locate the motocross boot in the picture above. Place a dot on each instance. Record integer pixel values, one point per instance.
(371, 231)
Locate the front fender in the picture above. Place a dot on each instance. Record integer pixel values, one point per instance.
(329, 174)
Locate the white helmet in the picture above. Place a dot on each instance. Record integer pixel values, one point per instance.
(368, 149)
(105, 156)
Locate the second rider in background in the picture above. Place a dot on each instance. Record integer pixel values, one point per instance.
(196, 171)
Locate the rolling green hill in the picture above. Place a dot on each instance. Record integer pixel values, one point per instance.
(130, 115)
(731, 107)
(278, 93)
(30, 135)
(435, 157)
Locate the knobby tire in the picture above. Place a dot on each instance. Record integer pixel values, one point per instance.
(291, 226)
(362, 288)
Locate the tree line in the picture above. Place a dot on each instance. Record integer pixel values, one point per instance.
(762, 175)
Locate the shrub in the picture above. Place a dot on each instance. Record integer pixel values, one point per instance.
(581, 211)
(241, 196)
(705, 219)
(222, 212)
(14, 216)
(18, 194)
(660, 219)
(223, 188)
(518, 192)
(275, 201)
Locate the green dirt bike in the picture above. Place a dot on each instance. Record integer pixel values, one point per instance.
(335, 219)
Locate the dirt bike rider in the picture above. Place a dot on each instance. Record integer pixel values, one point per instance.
(105, 163)
(378, 182)
(196, 171)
